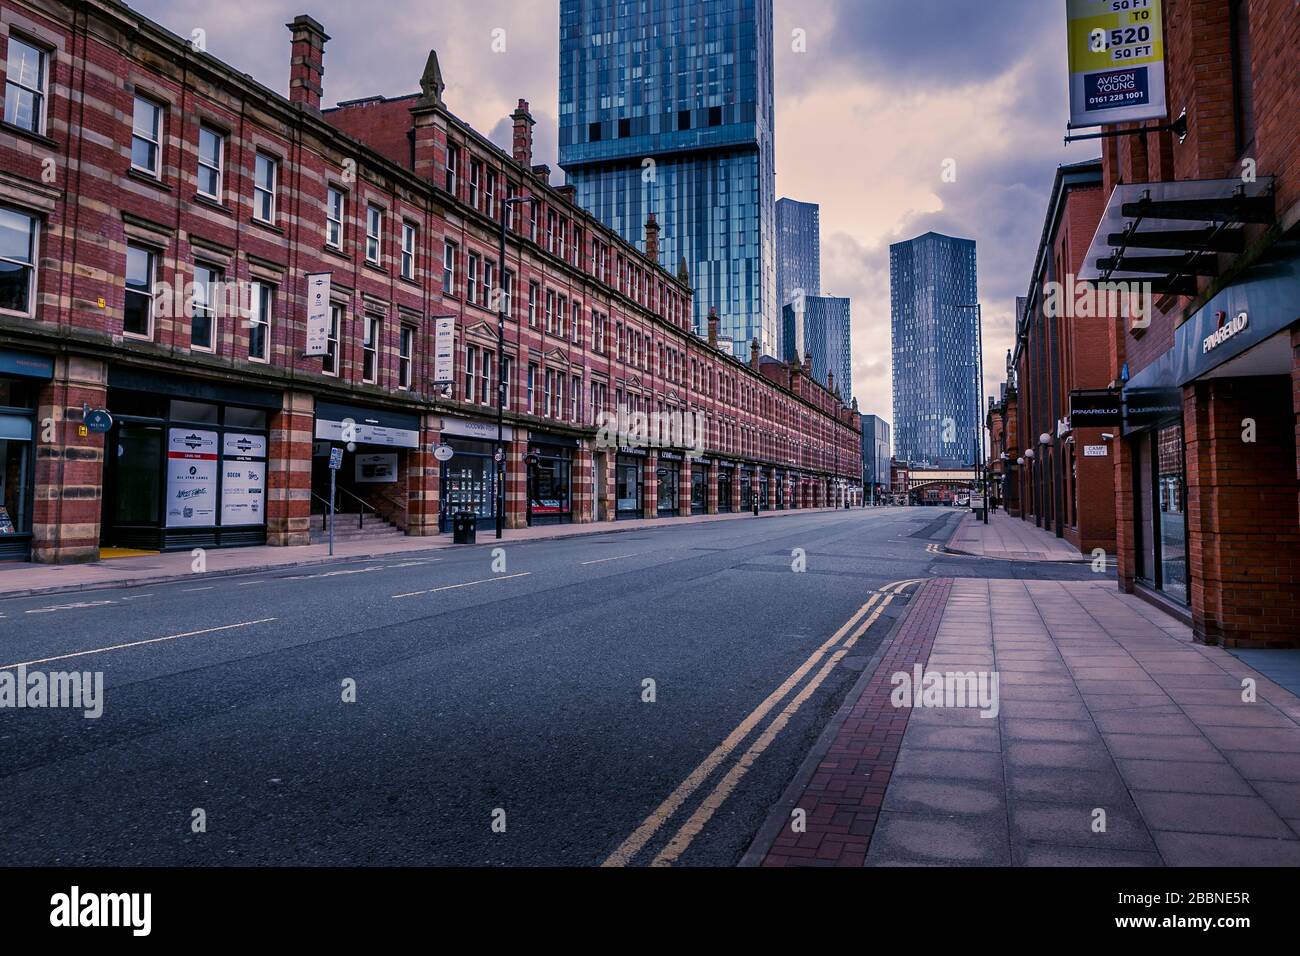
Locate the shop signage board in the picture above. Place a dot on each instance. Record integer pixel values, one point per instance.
(367, 433)
(1117, 61)
(1095, 409)
(379, 469)
(243, 480)
(191, 478)
(468, 428)
(318, 313)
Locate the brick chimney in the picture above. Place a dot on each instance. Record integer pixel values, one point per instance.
(713, 328)
(754, 359)
(523, 140)
(569, 193)
(306, 62)
(652, 238)
(830, 380)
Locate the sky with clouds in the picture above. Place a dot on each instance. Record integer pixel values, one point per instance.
(886, 92)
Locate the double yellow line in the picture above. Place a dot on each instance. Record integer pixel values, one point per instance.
(854, 628)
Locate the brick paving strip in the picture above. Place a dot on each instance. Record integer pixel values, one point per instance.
(842, 782)
(1105, 704)
(21, 579)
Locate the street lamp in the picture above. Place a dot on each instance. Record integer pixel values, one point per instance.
(502, 305)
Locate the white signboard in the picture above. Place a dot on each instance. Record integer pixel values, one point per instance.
(191, 478)
(377, 469)
(1095, 451)
(318, 313)
(366, 434)
(468, 428)
(1117, 61)
(243, 480)
(444, 351)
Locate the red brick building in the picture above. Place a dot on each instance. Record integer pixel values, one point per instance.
(1063, 470)
(160, 214)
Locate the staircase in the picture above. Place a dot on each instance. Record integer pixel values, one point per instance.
(348, 527)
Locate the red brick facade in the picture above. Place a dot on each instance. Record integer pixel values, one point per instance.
(624, 333)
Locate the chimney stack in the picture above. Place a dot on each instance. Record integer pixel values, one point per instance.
(306, 62)
(753, 354)
(713, 328)
(652, 238)
(523, 140)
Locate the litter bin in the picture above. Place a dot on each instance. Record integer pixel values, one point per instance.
(464, 527)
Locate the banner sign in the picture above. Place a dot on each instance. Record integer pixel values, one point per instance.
(1117, 61)
(444, 351)
(191, 478)
(318, 313)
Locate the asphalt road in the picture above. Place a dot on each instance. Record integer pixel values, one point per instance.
(485, 695)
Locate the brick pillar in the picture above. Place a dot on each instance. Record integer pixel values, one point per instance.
(736, 503)
(650, 490)
(582, 486)
(609, 459)
(684, 487)
(70, 468)
(712, 483)
(423, 473)
(288, 480)
(771, 490)
(1125, 503)
(516, 482)
(1243, 517)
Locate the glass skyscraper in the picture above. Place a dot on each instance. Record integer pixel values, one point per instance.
(822, 329)
(935, 350)
(875, 454)
(798, 252)
(666, 107)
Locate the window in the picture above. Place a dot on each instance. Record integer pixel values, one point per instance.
(475, 175)
(259, 323)
(405, 349)
(25, 79)
(471, 370)
(508, 295)
(212, 154)
(449, 268)
(330, 361)
(532, 220)
(548, 397)
(490, 194)
(203, 309)
(265, 171)
(137, 315)
(577, 323)
(370, 351)
(489, 274)
(532, 388)
(506, 369)
(336, 207)
(550, 312)
(485, 379)
(146, 137)
(408, 250)
(18, 236)
(374, 233)
(532, 304)
(561, 309)
(453, 167)
(551, 223)
(471, 278)
(575, 400)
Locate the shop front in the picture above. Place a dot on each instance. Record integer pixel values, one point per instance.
(468, 479)
(780, 490)
(550, 479)
(763, 489)
(746, 487)
(374, 442)
(185, 463)
(700, 487)
(726, 482)
(669, 475)
(629, 483)
(21, 374)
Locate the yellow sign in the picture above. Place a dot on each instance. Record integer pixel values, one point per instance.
(1117, 61)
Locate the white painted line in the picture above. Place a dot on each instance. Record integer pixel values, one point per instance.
(136, 597)
(211, 587)
(68, 607)
(248, 584)
(467, 584)
(154, 640)
(619, 558)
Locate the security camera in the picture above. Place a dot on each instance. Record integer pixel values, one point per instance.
(1107, 436)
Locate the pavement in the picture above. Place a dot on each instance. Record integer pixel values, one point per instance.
(636, 696)
(1011, 539)
(1110, 739)
(19, 579)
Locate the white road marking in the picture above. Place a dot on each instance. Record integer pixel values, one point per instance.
(211, 587)
(248, 584)
(452, 587)
(136, 597)
(619, 558)
(68, 607)
(153, 640)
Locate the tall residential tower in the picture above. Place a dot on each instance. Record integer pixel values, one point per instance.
(932, 294)
(666, 107)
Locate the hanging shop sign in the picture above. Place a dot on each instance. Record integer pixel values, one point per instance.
(443, 452)
(191, 478)
(318, 313)
(1144, 408)
(243, 480)
(1095, 409)
(444, 352)
(1117, 61)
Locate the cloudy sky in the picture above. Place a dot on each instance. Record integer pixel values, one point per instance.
(887, 91)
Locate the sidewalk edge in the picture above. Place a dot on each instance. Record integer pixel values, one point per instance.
(776, 818)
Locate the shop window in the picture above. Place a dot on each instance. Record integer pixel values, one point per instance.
(198, 413)
(251, 418)
(26, 76)
(18, 240)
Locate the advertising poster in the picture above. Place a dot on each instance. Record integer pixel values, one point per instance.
(191, 478)
(379, 469)
(444, 351)
(318, 313)
(1117, 62)
(243, 480)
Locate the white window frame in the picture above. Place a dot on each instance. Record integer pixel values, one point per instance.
(405, 356)
(152, 255)
(39, 92)
(263, 194)
(410, 242)
(330, 361)
(371, 332)
(450, 252)
(209, 307)
(33, 244)
(219, 169)
(158, 135)
(335, 225)
(262, 303)
(374, 234)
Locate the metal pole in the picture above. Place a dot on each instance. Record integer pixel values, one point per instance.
(984, 474)
(333, 478)
(502, 385)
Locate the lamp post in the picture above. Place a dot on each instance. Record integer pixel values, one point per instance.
(502, 306)
(979, 411)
